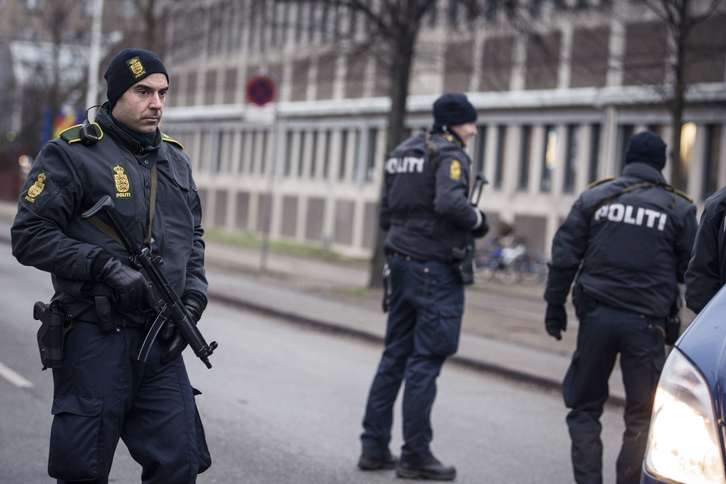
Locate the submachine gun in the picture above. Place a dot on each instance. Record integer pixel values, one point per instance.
(464, 256)
(164, 300)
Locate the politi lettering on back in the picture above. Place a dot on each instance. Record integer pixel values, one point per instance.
(121, 180)
(409, 164)
(628, 214)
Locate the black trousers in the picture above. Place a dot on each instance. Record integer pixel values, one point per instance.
(102, 394)
(604, 333)
(424, 323)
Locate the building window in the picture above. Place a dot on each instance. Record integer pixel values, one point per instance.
(299, 27)
(253, 152)
(285, 22)
(594, 161)
(568, 185)
(679, 173)
(301, 153)
(549, 157)
(314, 154)
(433, 15)
(625, 131)
(453, 15)
(217, 152)
(288, 151)
(353, 29)
(357, 160)
(712, 155)
(203, 148)
(242, 154)
(312, 21)
(326, 153)
(263, 156)
(343, 154)
(325, 22)
(191, 88)
(480, 150)
(524, 152)
(275, 25)
(372, 153)
(499, 161)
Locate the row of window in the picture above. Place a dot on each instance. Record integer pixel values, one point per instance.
(644, 61)
(265, 24)
(356, 154)
(341, 154)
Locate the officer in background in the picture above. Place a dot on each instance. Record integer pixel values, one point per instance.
(706, 273)
(429, 219)
(101, 391)
(626, 242)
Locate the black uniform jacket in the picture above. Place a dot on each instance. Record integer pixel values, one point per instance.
(631, 248)
(68, 177)
(707, 270)
(425, 206)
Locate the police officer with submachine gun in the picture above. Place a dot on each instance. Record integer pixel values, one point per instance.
(111, 210)
(626, 244)
(431, 222)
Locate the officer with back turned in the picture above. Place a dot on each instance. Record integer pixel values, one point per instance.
(626, 243)
(102, 390)
(431, 225)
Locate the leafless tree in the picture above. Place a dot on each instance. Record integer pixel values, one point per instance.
(392, 36)
(681, 20)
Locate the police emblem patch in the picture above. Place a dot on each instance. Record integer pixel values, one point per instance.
(36, 188)
(136, 67)
(455, 170)
(121, 181)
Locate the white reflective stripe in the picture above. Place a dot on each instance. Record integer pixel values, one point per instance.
(13, 377)
(478, 219)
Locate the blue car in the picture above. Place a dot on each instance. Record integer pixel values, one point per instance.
(687, 429)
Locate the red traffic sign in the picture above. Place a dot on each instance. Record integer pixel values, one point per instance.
(260, 90)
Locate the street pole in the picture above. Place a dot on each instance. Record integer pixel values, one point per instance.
(94, 58)
(265, 248)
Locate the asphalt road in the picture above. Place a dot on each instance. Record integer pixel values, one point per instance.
(283, 404)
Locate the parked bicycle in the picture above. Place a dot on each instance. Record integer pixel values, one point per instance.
(512, 265)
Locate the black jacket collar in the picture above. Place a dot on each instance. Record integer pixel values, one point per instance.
(137, 145)
(643, 171)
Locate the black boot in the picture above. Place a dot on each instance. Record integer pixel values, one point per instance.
(375, 461)
(430, 469)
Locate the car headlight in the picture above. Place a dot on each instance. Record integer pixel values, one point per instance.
(683, 445)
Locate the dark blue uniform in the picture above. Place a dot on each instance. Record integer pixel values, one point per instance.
(628, 242)
(101, 392)
(706, 272)
(426, 211)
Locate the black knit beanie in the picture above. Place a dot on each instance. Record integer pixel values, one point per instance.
(453, 109)
(646, 147)
(129, 67)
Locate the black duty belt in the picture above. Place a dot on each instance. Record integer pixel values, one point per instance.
(393, 253)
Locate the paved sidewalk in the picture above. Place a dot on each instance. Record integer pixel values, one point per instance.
(502, 330)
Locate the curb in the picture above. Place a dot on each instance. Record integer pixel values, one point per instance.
(461, 361)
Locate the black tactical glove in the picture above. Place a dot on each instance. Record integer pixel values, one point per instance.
(556, 320)
(128, 284)
(673, 324)
(483, 228)
(194, 303)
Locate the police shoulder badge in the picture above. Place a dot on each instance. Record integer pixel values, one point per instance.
(136, 67)
(455, 170)
(122, 182)
(36, 188)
